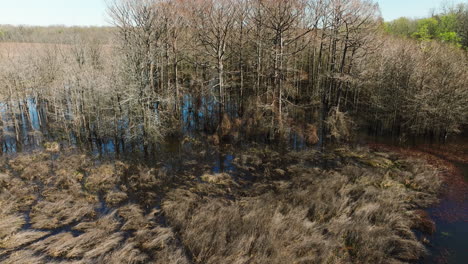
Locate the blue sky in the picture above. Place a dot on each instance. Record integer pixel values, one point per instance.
(392, 9)
(92, 12)
(53, 12)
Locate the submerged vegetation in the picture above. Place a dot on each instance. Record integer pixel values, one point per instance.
(301, 207)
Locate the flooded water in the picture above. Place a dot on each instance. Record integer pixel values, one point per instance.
(26, 124)
(449, 244)
(25, 128)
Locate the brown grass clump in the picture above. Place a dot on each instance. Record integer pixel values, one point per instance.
(218, 178)
(93, 243)
(156, 245)
(128, 253)
(52, 147)
(31, 167)
(133, 217)
(69, 172)
(114, 198)
(163, 242)
(4, 181)
(102, 178)
(9, 224)
(108, 223)
(76, 162)
(54, 246)
(99, 237)
(21, 238)
(14, 197)
(24, 257)
(22, 161)
(36, 170)
(103, 247)
(248, 230)
(354, 214)
(146, 184)
(18, 194)
(218, 184)
(60, 209)
(66, 180)
(143, 179)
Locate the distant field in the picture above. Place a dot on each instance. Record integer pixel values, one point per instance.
(13, 49)
(17, 49)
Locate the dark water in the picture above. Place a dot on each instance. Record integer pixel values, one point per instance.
(21, 130)
(449, 244)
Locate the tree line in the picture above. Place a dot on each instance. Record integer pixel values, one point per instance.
(449, 26)
(53, 34)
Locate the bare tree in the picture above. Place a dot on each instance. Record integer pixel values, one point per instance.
(213, 22)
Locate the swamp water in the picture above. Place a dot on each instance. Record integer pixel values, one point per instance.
(192, 202)
(449, 244)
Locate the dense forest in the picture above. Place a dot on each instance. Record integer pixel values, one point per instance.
(236, 131)
(280, 66)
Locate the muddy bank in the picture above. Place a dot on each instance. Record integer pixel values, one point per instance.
(254, 205)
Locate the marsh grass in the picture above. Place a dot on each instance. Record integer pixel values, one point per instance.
(345, 206)
(60, 209)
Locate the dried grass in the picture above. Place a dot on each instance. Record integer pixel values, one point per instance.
(10, 224)
(128, 253)
(114, 198)
(132, 216)
(24, 257)
(356, 214)
(102, 178)
(21, 238)
(218, 178)
(289, 210)
(60, 209)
